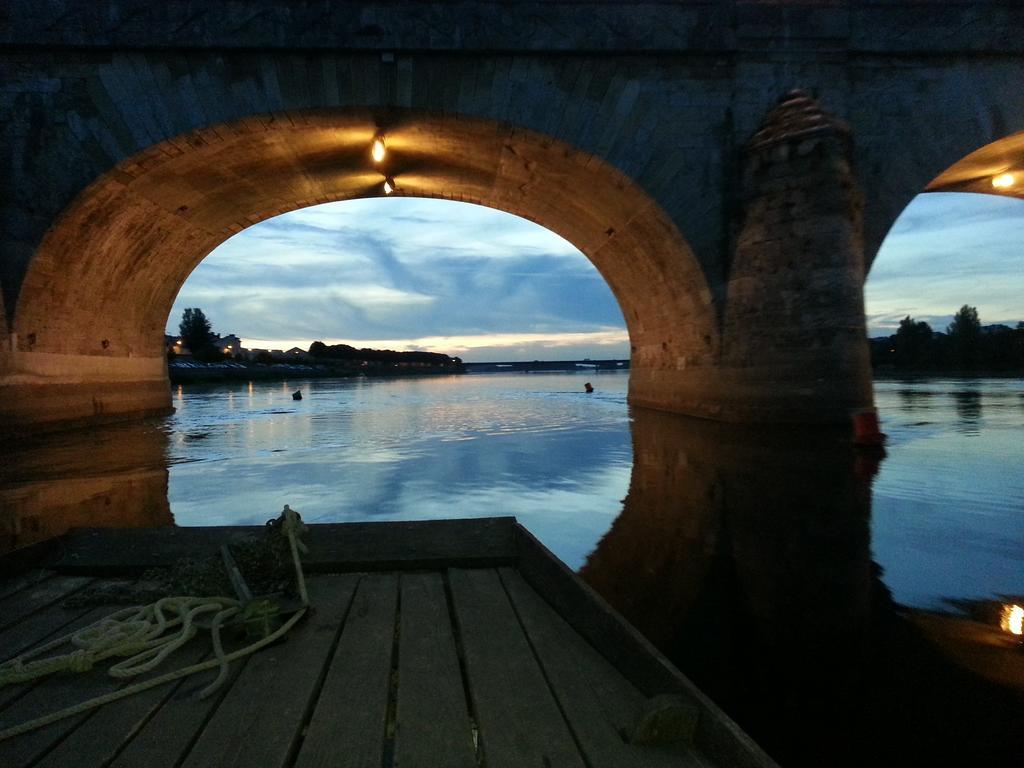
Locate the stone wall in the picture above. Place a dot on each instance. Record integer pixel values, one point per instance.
(659, 96)
(794, 335)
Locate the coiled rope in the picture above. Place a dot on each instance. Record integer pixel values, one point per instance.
(139, 633)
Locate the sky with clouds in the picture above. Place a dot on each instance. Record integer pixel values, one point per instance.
(408, 273)
(949, 249)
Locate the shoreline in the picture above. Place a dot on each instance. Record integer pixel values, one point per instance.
(194, 373)
(892, 374)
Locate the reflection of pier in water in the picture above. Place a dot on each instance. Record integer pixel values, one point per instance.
(968, 409)
(745, 556)
(113, 476)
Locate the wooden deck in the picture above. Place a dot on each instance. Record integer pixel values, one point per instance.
(444, 644)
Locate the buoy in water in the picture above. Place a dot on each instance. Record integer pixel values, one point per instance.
(297, 394)
(865, 429)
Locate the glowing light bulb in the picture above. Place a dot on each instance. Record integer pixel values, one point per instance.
(1004, 181)
(378, 151)
(1012, 619)
(389, 185)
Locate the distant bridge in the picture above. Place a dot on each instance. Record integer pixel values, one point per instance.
(137, 136)
(545, 366)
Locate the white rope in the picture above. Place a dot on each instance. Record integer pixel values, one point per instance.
(99, 701)
(139, 634)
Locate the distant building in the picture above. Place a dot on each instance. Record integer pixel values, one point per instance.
(292, 355)
(229, 345)
(173, 344)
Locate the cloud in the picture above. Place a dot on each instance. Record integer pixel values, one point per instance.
(399, 271)
(947, 250)
(610, 343)
(939, 212)
(394, 271)
(417, 228)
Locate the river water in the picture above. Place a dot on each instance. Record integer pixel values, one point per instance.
(843, 607)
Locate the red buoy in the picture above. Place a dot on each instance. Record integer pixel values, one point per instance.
(865, 428)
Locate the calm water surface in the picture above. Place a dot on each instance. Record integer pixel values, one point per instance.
(948, 507)
(843, 608)
(530, 445)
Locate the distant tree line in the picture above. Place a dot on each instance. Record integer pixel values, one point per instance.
(966, 345)
(345, 352)
(196, 333)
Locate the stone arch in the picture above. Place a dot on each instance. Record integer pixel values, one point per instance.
(975, 171)
(91, 309)
(977, 159)
(953, 147)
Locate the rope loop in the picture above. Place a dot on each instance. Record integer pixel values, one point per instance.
(141, 636)
(79, 661)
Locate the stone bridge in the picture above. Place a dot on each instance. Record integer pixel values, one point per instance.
(734, 224)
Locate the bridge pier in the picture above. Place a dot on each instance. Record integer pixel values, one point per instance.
(41, 391)
(794, 346)
(781, 339)
(793, 342)
(142, 137)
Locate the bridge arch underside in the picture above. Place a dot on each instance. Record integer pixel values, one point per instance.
(87, 330)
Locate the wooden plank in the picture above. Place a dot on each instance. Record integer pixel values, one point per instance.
(36, 597)
(717, 736)
(600, 705)
(99, 739)
(433, 719)
(11, 584)
(163, 740)
(596, 621)
(332, 547)
(47, 624)
(260, 718)
(50, 695)
(348, 724)
(85, 617)
(519, 720)
(31, 557)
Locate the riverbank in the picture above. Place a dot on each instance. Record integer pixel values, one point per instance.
(191, 371)
(891, 373)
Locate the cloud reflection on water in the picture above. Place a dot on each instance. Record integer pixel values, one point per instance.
(531, 446)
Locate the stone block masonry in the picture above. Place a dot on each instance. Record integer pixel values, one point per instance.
(794, 327)
(137, 136)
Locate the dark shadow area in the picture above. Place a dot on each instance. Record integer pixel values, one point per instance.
(745, 557)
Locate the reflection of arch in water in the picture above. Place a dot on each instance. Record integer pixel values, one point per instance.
(780, 517)
(745, 553)
(745, 556)
(111, 477)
